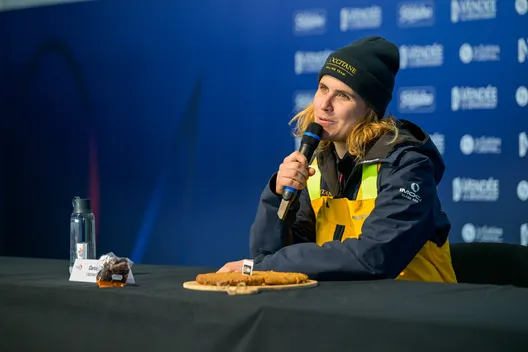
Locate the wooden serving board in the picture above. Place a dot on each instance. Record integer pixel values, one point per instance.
(245, 290)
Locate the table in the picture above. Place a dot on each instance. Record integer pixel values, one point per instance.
(40, 310)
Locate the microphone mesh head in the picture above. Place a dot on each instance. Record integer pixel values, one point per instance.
(313, 134)
(315, 128)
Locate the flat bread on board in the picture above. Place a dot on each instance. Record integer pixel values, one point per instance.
(237, 283)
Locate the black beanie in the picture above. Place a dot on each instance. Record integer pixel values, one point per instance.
(368, 66)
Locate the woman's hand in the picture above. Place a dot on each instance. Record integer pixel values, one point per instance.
(293, 172)
(233, 266)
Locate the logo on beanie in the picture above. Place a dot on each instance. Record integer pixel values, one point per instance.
(340, 66)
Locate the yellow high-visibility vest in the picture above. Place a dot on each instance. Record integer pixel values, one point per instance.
(432, 263)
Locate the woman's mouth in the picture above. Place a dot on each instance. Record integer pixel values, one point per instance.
(324, 121)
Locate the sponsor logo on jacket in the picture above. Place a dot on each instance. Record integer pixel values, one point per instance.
(411, 193)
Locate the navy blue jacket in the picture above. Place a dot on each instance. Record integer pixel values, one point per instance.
(391, 236)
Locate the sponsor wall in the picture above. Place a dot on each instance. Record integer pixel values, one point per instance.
(172, 116)
(464, 79)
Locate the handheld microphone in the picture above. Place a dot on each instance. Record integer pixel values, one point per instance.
(309, 142)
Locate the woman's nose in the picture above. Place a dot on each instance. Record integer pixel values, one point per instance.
(326, 104)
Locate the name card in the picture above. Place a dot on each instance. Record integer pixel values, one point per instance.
(85, 270)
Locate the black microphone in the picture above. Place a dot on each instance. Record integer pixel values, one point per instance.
(309, 142)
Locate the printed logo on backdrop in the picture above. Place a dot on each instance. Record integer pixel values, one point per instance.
(416, 14)
(353, 18)
(524, 234)
(439, 141)
(415, 56)
(521, 6)
(474, 98)
(301, 99)
(417, 100)
(472, 233)
(309, 22)
(478, 53)
(480, 145)
(522, 46)
(310, 61)
(473, 10)
(521, 96)
(522, 190)
(523, 144)
(475, 190)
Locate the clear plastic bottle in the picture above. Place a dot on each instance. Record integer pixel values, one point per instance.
(82, 231)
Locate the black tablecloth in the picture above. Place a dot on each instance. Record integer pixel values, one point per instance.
(40, 310)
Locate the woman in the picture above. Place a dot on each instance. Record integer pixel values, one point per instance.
(369, 207)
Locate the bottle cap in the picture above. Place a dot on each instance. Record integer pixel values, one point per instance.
(81, 205)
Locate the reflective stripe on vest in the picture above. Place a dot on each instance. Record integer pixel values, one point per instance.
(367, 190)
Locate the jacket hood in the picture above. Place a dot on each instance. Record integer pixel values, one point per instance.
(410, 136)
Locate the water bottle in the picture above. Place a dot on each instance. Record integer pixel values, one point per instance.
(82, 231)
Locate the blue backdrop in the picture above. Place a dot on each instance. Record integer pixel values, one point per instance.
(172, 115)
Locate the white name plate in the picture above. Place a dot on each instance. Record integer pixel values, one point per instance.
(85, 270)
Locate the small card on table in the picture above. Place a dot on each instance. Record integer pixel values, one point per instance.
(85, 270)
(247, 267)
